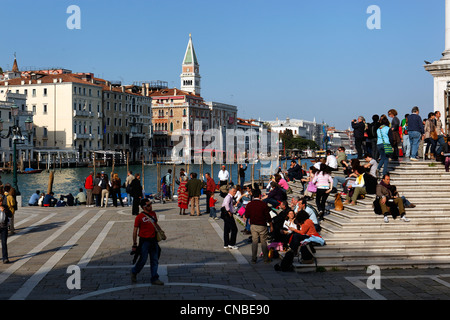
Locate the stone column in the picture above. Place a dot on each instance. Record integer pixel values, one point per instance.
(446, 53)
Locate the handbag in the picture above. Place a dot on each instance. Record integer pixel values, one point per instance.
(387, 146)
(160, 234)
(97, 190)
(434, 135)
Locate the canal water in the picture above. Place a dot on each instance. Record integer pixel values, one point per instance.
(69, 180)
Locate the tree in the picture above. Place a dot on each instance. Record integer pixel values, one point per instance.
(291, 142)
(1, 70)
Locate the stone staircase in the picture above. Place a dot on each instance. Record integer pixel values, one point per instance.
(356, 237)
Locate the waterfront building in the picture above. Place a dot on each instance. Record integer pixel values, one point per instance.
(66, 109)
(24, 149)
(127, 120)
(310, 130)
(341, 138)
(77, 114)
(174, 109)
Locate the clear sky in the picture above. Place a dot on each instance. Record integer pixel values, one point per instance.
(288, 58)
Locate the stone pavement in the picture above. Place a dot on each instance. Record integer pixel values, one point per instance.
(54, 246)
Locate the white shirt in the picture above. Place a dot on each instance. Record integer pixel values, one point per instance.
(332, 162)
(223, 175)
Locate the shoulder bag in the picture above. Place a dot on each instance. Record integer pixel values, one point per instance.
(387, 146)
(160, 234)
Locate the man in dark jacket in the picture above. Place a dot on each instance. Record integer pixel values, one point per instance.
(194, 187)
(136, 193)
(415, 132)
(358, 133)
(295, 171)
(259, 214)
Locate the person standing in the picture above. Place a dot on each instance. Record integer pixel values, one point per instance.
(441, 133)
(242, 175)
(104, 183)
(89, 186)
(415, 132)
(145, 225)
(183, 196)
(224, 175)
(259, 214)
(9, 203)
(168, 182)
(116, 184)
(372, 135)
(383, 137)
(395, 133)
(430, 130)
(136, 193)
(194, 187)
(210, 190)
(358, 133)
(227, 212)
(405, 138)
(5, 216)
(130, 177)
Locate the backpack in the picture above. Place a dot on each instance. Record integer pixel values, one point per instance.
(287, 263)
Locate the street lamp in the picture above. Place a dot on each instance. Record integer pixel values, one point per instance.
(15, 134)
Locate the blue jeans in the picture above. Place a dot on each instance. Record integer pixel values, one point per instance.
(414, 138)
(212, 212)
(149, 247)
(384, 160)
(441, 143)
(406, 146)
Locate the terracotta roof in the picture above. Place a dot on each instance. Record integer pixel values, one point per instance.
(48, 79)
(173, 92)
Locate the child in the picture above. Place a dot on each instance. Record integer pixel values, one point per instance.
(212, 207)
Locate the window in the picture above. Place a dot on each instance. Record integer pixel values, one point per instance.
(45, 92)
(34, 92)
(45, 109)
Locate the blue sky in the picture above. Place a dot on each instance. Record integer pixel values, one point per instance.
(299, 59)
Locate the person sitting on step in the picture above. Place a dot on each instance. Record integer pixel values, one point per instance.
(389, 199)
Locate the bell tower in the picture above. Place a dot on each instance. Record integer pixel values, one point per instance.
(190, 76)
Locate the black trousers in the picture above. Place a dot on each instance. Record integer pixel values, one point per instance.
(295, 243)
(136, 203)
(229, 227)
(359, 146)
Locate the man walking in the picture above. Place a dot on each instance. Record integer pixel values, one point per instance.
(194, 187)
(145, 226)
(415, 132)
(259, 214)
(227, 212)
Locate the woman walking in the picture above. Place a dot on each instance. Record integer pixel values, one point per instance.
(324, 184)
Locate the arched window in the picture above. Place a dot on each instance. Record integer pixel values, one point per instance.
(171, 126)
